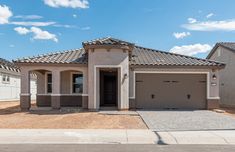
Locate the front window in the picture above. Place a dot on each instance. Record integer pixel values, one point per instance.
(77, 83)
(49, 83)
(6, 78)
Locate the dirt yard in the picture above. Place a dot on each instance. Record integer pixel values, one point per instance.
(12, 117)
(229, 111)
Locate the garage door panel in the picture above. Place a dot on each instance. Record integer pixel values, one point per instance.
(171, 91)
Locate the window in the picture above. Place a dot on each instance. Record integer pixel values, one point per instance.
(77, 83)
(49, 83)
(219, 53)
(6, 78)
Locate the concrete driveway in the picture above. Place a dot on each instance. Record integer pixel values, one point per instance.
(195, 120)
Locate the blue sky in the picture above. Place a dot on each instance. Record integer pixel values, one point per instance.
(32, 27)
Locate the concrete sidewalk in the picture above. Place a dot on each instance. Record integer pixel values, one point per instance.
(77, 136)
(114, 136)
(197, 137)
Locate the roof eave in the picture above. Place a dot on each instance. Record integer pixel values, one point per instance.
(108, 47)
(182, 66)
(19, 64)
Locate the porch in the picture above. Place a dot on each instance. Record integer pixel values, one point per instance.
(56, 87)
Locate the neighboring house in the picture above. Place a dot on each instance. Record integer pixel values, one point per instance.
(225, 52)
(112, 72)
(10, 82)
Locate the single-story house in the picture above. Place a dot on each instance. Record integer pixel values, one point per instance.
(10, 82)
(112, 72)
(225, 52)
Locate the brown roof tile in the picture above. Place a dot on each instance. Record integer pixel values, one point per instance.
(140, 56)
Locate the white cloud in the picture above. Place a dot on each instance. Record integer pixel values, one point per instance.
(28, 17)
(181, 35)
(75, 16)
(38, 33)
(33, 23)
(67, 3)
(192, 20)
(210, 15)
(223, 25)
(5, 14)
(43, 35)
(86, 28)
(65, 25)
(191, 49)
(22, 30)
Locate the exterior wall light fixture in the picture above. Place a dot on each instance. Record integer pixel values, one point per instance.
(214, 77)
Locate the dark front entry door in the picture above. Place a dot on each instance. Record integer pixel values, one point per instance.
(108, 88)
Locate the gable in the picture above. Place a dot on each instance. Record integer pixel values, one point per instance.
(230, 46)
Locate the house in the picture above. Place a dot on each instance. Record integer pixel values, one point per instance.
(112, 72)
(10, 82)
(225, 52)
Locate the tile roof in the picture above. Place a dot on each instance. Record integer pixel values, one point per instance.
(76, 56)
(7, 65)
(145, 56)
(140, 56)
(107, 41)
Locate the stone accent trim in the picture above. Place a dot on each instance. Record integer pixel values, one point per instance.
(43, 100)
(65, 100)
(227, 106)
(213, 103)
(85, 102)
(132, 104)
(71, 101)
(55, 102)
(25, 102)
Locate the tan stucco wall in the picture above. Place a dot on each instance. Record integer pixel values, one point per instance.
(40, 83)
(227, 75)
(102, 58)
(64, 72)
(114, 58)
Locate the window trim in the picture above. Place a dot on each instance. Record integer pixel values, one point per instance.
(6, 76)
(71, 83)
(46, 82)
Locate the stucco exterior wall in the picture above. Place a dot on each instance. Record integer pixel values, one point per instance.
(66, 82)
(227, 75)
(113, 58)
(41, 83)
(65, 73)
(60, 87)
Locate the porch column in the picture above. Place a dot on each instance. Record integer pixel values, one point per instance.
(85, 90)
(55, 96)
(25, 90)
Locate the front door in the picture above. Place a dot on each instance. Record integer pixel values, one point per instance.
(108, 88)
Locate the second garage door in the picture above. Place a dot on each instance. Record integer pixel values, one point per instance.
(180, 91)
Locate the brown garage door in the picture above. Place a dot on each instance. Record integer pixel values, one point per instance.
(181, 91)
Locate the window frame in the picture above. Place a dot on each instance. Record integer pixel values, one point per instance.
(46, 83)
(6, 76)
(71, 83)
